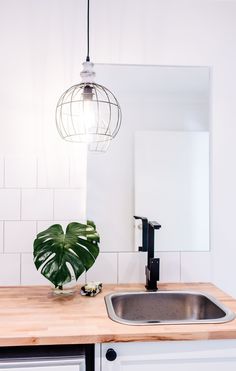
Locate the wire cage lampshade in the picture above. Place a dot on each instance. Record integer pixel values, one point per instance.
(88, 112)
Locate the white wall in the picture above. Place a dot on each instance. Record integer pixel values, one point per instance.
(157, 105)
(188, 33)
(41, 56)
(40, 180)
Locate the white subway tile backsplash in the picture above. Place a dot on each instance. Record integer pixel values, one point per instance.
(30, 275)
(131, 267)
(53, 172)
(37, 204)
(20, 172)
(196, 266)
(104, 268)
(70, 204)
(169, 266)
(33, 206)
(19, 236)
(9, 204)
(31, 191)
(9, 269)
(45, 224)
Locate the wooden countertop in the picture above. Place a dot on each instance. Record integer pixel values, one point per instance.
(33, 316)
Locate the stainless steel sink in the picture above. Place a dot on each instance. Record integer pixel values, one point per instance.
(166, 307)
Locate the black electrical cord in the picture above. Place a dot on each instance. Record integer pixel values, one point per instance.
(88, 57)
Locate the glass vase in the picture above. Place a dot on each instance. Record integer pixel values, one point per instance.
(69, 288)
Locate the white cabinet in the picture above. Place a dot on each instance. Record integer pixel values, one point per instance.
(209, 355)
(61, 364)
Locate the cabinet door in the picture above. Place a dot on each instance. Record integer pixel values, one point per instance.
(172, 356)
(74, 364)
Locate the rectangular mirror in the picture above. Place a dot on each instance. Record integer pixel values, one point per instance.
(172, 187)
(158, 165)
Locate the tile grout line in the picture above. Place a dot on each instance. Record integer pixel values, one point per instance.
(15, 253)
(46, 220)
(49, 188)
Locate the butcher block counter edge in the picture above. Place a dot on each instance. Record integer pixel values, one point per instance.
(32, 315)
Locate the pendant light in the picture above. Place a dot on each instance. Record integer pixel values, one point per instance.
(88, 112)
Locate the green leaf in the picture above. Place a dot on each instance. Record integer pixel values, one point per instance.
(57, 255)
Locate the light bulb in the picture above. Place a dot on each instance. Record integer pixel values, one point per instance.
(89, 120)
(88, 114)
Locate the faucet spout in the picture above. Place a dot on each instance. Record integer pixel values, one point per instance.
(144, 220)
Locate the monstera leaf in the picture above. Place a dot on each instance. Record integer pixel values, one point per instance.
(59, 255)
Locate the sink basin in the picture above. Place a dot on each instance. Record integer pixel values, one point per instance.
(166, 307)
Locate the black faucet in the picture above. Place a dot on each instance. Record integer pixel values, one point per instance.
(152, 269)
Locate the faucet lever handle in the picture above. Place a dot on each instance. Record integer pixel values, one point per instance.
(143, 218)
